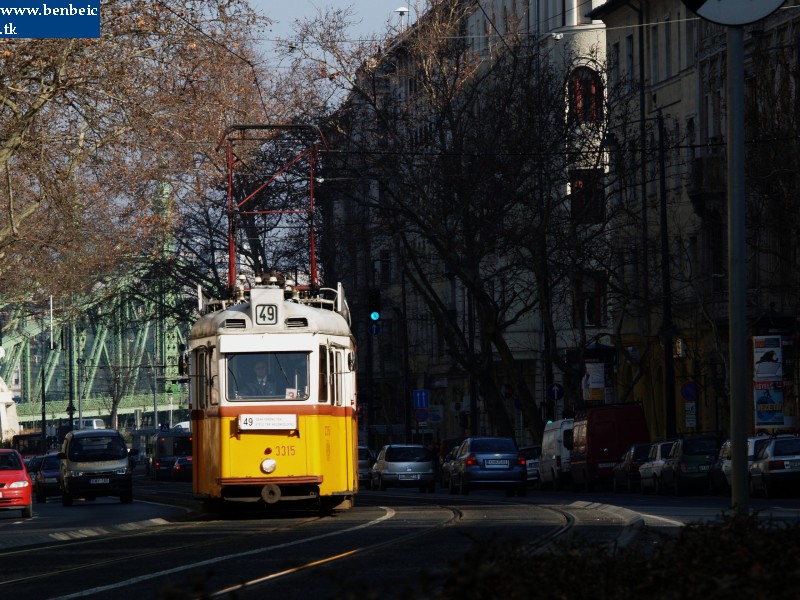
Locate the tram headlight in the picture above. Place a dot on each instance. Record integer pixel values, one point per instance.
(268, 465)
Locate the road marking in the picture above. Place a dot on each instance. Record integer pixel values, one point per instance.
(97, 590)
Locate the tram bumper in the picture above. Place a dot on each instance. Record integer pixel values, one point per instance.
(271, 493)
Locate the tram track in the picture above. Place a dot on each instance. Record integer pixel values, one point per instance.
(233, 560)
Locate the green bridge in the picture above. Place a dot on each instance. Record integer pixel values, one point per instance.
(120, 356)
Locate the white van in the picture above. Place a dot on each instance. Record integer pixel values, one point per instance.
(556, 446)
(91, 424)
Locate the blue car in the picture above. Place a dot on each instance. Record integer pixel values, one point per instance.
(489, 463)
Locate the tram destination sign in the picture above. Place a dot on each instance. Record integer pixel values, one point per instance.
(261, 422)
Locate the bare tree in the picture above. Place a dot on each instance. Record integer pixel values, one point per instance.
(471, 150)
(92, 129)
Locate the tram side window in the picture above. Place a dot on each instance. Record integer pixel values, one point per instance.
(323, 374)
(200, 382)
(336, 377)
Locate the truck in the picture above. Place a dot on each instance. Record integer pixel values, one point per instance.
(600, 436)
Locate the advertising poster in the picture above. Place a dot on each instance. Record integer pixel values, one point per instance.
(769, 403)
(768, 358)
(594, 383)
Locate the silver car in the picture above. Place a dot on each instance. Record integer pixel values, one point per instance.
(777, 467)
(404, 465)
(650, 470)
(366, 458)
(531, 454)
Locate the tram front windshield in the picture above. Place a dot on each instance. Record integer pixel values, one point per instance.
(255, 376)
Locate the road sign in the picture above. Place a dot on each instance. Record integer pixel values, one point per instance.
(555, 392)
(422, 415)
(733, 12)
(374, 328)
(421, 399)
(690, 391)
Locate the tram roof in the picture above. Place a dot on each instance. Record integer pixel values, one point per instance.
(295, 316)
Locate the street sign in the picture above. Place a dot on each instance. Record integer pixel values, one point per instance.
(555, 392)
(733, 12)
(421, 399)
(690, 391)
(374, 328)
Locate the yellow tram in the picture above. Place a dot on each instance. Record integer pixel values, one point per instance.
(293, 436)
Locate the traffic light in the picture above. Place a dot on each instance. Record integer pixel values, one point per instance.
(374, 307)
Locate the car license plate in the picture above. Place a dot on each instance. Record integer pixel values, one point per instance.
(606, 465)
(705, 467)
(1, 494)
(496, 462)
(99, 480)
(409, 476)
(793, 464)
(50, 480)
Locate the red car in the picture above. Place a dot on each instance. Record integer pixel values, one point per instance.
(15, 483)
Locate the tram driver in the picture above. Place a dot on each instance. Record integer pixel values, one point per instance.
(260, 385)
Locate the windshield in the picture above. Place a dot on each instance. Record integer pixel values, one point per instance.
(100, 447)
(267, 376)
(10, 462)
(699, 446)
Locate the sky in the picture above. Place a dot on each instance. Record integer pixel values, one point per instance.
(373, 14)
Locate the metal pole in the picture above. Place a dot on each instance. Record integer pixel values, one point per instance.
(737, 336)
(80, 390)
(406, 387)
(666, 290)
(155, 398)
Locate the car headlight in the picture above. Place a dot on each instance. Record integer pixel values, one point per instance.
(20, 484)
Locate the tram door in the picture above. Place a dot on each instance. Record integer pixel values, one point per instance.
(345, 429)
(200, 399)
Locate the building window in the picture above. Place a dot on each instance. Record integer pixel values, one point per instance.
(585, 96)
(587, 198)
(589, 300)
(654, 56)
(613, 67)
(629, 64)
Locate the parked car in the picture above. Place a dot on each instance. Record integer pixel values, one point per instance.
(47, 481)
(532, 454)
(182, 469)
(554, 466)
(600, 435)
(366, 458)
(688, 464)
(447, 445)
(445, 468)
(650, 470)
(94, 462)
(625, 474)
(404, 465)
(776, 468)
(15, 483)
(489, 463)
(33, 464)
(719, 475)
